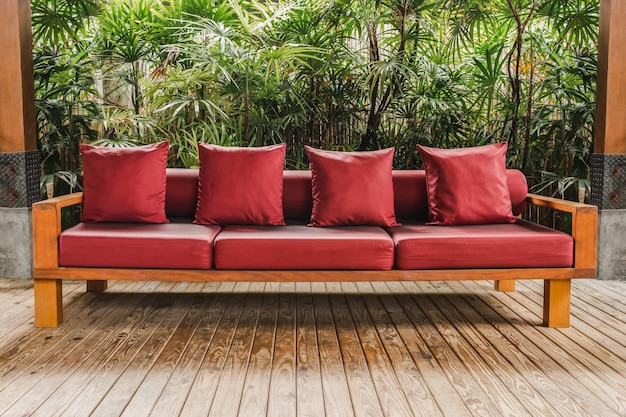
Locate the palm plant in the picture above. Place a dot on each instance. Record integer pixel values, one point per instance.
(127, 45)
(60, 23)
(63, 84)
(231, 76)
(521, 44)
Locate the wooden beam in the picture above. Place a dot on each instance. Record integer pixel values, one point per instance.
(504, 285)
(97, 285)
(610, 123)
(48, 302)
(17, 95)
(556, 302)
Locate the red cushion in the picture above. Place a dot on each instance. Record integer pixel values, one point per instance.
(124, 184)
(410, 199)
(181, 197)
(115, 245)
(241, 185)
(352, 188)
(297, 195)
(409, 190)
(519, 245)
(518, 189)
(468, 185)
(302, 247)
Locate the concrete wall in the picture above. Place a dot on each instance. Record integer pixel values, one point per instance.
(16, 253)
(612, 244)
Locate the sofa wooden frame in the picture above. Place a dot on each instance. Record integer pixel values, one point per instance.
(48, 275)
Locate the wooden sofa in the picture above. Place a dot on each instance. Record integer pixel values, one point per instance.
(48, 273)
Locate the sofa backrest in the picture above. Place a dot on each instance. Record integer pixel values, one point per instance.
(409, 190)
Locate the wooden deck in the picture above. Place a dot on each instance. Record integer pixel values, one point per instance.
(284, 349)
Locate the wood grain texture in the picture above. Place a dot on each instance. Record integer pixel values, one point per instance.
(515, 374)
(200, 397)
(393, 402)
(96, 286)
(560, 354)
(48, 302)
(33, 355)
(309, 392)
(610, 95)
(337, 400)
(442, 391)
(556, 303)
(585, 234)
(388, 354)
(173, 397)
(504, 285)
(46, 230)
(365, 400)
(255, 393)
(231, 381)
(76, 366)
(467, 347)
(584, 228)
(17, 118)
(208, 275)
(159, 373)
(453, 348)
(283, 391)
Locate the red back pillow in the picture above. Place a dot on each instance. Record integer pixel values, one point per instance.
(468, 185)
(352, 188)
(241, 185)
(124, 184)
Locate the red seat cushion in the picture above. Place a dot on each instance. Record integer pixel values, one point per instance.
(302, 247)
(115, 245)
(519, 245)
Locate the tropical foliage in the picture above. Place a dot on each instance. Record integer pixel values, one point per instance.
(344, 74)
(64, 88)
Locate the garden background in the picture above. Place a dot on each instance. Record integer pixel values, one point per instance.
(341, 75)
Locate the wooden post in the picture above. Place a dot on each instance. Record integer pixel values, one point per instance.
(48, 302)
(17, 91)
(19, 158)
(556, 302)
(48, 292)
(608, 162)
(96, 285)
(610, 127)
(504, 285)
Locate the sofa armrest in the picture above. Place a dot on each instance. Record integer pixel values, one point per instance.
(47, 228)
(584, 227)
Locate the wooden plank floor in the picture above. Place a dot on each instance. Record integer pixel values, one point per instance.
(313, 349)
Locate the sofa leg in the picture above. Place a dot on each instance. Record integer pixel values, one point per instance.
(504, 285)
(48, 302)
(96, 285)
(556, 302)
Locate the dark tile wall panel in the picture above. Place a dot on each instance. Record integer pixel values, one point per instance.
(608, 181)
(19, 179)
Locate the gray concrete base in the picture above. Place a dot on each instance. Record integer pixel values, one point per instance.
(16, 248)
(612, 244)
